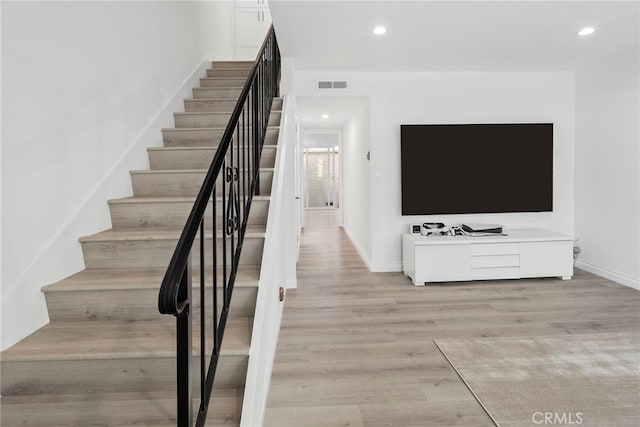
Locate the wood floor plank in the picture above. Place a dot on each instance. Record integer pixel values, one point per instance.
(356, 348)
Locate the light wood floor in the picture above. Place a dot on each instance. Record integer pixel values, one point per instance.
(356, 348)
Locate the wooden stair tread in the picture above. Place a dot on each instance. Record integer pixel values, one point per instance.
(159, 171)
(214, 68)
(200, 147)
(208, 129)
(113, 339)
(140, 278)
(221, 63)
(169, 199)
(274, 109)
(208, 99)
(220, 113)
(126, 234)
(238, 88)
(200, 113)
(150, 408)
(219, 77)
(220, 88)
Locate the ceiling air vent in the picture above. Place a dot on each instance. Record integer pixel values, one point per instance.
(332, 85)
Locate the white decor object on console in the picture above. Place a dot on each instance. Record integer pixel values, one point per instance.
(520, 254)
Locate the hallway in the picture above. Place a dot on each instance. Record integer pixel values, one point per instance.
(348, 354)
(356, 348)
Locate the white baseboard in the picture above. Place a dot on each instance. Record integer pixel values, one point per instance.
(616, 276)
(359, 248)
(386, 267)
(377, 267)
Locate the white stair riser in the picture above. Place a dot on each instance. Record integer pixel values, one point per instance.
(182, 183)
(216, 93)
(157, 252)
(204, 137)
(137, 304)
(201, 158)
(173, 215)
(116, 375)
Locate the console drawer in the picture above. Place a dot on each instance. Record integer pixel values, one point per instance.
(495, 273)
(488, 261)
(495, 249)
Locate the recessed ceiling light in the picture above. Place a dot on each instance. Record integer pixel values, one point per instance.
(379, 30)
(586, 31)
(325, 116)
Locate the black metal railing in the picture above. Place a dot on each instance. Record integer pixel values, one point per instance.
(215, 231)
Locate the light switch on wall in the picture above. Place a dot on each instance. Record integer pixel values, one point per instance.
(378, 175)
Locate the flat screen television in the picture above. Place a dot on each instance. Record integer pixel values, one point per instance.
(476, 168)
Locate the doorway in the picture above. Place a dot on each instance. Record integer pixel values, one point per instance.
(321, 170)
(322, 175)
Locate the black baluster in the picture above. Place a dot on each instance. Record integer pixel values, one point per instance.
(183, 349)
(215, 273)
(203, 395)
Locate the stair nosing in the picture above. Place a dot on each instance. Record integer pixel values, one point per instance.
(201, 147)
(203, 99)
(156, 234)
(192, 113)
(158, 171)
(221, 77)
(219, 88)
(170, 199)
(208, 129)
(14, 354)
(230, 69)
(248, 277)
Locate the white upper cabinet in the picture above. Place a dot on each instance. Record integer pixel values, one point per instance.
(252, 3)
(253, 19)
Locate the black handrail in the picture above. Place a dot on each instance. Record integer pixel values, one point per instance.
(234, 168)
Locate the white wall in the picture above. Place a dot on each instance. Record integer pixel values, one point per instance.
(356, 183)
(86, 87)
(608, 167)
(278, 269)
(454, 97)
(320, 138)
(216, 22)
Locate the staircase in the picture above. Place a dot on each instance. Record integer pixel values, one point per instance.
(108, 357)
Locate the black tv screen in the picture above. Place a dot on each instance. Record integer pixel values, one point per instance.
(476, 168)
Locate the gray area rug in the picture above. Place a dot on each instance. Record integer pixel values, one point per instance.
(585, 380)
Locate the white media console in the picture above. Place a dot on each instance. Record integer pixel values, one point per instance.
(519, 254)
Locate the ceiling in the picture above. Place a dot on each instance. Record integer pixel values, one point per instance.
(453, 35)
(445, 36)
(340, 110)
